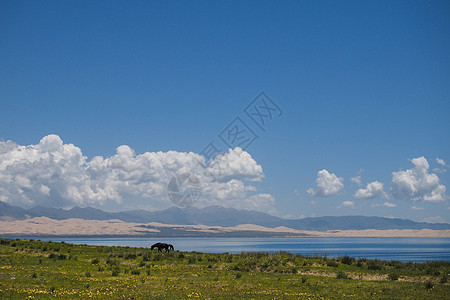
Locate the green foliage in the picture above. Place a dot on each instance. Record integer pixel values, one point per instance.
(347, 260)
(341, 275)
(444, 278)
(429, 285)
(332, 263)
(95, 261)
(136, 272)
(374, 265)
(393, 276)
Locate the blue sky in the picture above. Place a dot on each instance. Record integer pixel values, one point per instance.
(363, 86)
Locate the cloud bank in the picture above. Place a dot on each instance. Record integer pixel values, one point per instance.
(55, 174)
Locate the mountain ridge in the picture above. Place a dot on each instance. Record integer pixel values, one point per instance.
(219, 216)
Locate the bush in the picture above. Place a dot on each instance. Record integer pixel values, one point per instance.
(115, 272)
(88, 274)
(341, 275)
(135, 272)
(428, 285)
(374, 265)
(130, 256)
(444, 278)
(238, 275)
(393, 276)
(95, 261)
(347, 260)
(332, 263)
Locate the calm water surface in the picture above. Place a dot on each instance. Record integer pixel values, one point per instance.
(401, 249)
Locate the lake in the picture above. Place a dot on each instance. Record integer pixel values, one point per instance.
(401, 249)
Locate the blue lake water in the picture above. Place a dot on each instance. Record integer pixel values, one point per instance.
(401, 249)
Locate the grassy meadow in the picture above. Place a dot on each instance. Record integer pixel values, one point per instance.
(32, 269)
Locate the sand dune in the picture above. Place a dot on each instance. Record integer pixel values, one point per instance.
(49, 227)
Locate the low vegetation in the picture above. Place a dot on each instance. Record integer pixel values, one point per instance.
(39, 270)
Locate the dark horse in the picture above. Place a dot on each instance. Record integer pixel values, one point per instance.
(162, 246)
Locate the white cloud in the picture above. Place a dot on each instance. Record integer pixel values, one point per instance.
(327, 184)
(417, 208)
(52, 173)
(440, 161)
(372, 190)
(417, 184)
(347, 204)
(236, 164)
(439, 170)
(356, 179)
(437, 219)
(385, 204)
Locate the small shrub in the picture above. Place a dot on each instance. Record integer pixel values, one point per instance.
(304, 279)
(238, 275)
(115, 272)
(112, 262)
(341, 275)
(428, 285)
(393, 276)
(53, 256)
(374, 265)
(88, 274)
(95, 261)
(130, 256)
(135, 272)
(332, 263)
(347, 260)
(444, 278)
(34, 275)
(62, 257)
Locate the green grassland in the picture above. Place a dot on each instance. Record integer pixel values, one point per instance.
(31, 269)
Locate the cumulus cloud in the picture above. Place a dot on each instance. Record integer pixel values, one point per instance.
(372, 190)
(52, 173)
(418, 184)
(347, 204)
(356, 179)
(385, 204)
(440, 161)
(417, 208)
(327, 184)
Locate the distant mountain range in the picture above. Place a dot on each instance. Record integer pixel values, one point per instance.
(218, 216)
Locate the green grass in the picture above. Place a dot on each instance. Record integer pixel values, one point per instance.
(40, 270)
